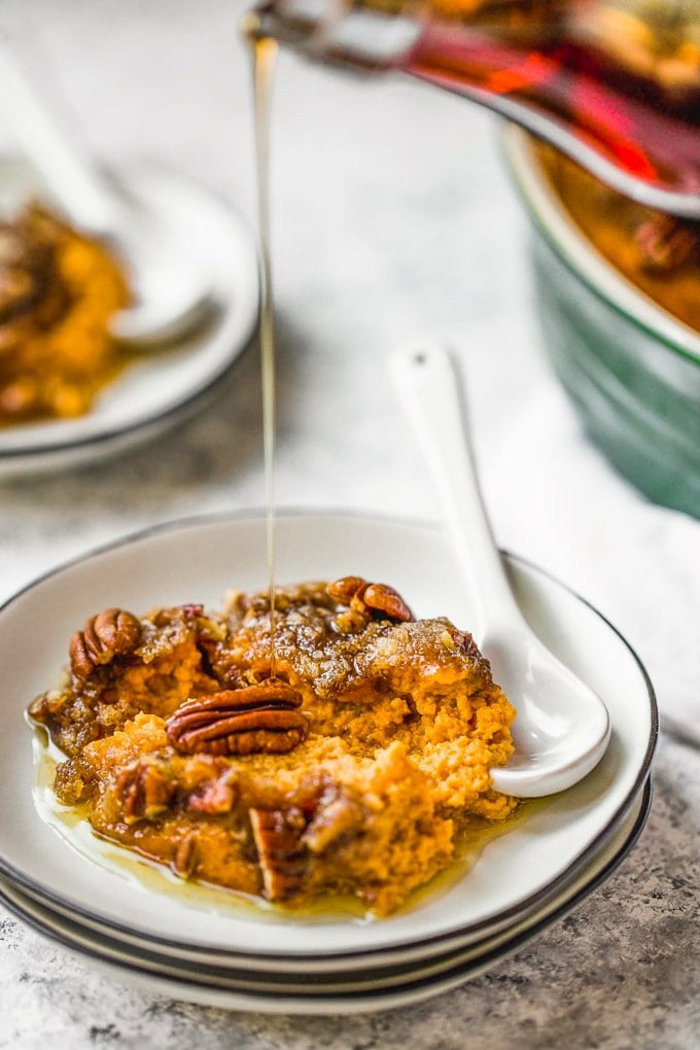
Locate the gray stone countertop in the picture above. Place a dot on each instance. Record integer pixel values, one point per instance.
(393, 218)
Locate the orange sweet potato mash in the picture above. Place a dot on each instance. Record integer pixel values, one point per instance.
(58, 292)
(350, 767)
(658, 253)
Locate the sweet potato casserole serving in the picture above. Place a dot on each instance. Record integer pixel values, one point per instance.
(351, 767)
(58, 292)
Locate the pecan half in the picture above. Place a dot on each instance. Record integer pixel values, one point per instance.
(376, 598)
(110, 633)
(280, 852)
(346, 588)
(185, 860)
(667, 243)
(381, 598)
(214, 796)
(262, 717)
(334, 816)
(143, 792)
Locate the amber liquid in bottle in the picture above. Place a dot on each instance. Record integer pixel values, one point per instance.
(627, 88)
(614, 83)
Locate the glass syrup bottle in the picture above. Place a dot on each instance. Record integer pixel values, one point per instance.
(613, 83)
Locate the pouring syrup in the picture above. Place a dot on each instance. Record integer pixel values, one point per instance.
(264, 54)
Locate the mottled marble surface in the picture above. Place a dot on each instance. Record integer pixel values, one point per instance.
(393, 219)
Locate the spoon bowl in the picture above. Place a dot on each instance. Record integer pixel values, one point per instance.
(562, 727)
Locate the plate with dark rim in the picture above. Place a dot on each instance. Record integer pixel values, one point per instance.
(198, 561)
(366, 989)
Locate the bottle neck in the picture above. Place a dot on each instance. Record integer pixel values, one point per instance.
(657, 41)
(340, 32)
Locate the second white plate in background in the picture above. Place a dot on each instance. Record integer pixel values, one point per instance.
(157, 389)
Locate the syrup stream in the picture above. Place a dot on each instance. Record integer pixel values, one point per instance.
(264, 53)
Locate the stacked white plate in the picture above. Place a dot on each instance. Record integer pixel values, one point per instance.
(195, 943)
(161, 388)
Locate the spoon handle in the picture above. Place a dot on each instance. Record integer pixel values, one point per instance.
(427, 381)
(77, 188)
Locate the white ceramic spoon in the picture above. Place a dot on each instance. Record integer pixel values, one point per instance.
(562, 727)
(171, 295)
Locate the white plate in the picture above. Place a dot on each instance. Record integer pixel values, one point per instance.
(362, 990)
(196, 562)
(157, 389)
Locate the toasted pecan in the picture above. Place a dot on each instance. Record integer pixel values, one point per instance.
(376, 598)
(261, 717)
(110, 633)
